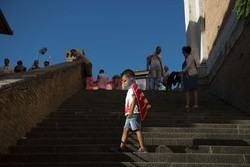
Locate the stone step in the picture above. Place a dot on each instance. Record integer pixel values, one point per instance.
(159, 111)
(82, 132)
(130, 148)
(176, 105)
(126, 157)
(151, 97)
(179, 105)
(148, 141)
(200, 112)
(169, 101)
(154, 99)
(83, 129)
(150, 116)
(166, 120)
(122, 164)
(74, 127)
(203, 135)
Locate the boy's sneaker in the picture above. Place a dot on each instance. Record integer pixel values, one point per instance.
(187, 108)
(141, 150)
(118, 150)
(195, 107)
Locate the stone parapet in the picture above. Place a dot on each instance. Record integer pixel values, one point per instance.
(26, 98)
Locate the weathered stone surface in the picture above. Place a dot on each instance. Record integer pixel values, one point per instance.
(82, 131)
(27, 98)
(231, 81)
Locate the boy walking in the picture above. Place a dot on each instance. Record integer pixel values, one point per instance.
(136, 106)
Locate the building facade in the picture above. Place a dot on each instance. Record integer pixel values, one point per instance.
(220, 44)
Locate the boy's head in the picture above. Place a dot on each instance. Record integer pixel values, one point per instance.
(128, 77)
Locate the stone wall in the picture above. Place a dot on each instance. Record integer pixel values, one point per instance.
(27, 98)
(231, 81)
(216, 13)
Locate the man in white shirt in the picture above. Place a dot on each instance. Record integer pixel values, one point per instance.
(6, 69)
(154, 65)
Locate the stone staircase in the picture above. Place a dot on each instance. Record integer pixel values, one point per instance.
(82, 131)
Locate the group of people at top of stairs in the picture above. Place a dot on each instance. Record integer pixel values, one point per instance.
(136, 104)
(6, 69)
(187, 78)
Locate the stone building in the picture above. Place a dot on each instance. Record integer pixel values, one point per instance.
(220, 44)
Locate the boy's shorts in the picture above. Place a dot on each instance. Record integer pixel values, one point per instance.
(133, 123)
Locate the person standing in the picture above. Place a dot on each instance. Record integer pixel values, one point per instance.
(165, 78)
(6, 69)
(102, 79)
(136, 107)
(87, 65)
(35, 65)
(19, 67)
(154, 65)
(46, 63)
(189, 74)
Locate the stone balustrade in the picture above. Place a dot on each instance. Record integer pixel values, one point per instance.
(26, 98)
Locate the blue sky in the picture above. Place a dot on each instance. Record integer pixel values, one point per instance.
(115, 34)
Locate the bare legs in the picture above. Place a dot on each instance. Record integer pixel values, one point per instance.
(125, 137)
(187, 94)
(196, 97)
(140, 139)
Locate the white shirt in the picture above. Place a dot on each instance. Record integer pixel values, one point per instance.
(129, 100)
(6, 70)
(155, 62)
(191, 67)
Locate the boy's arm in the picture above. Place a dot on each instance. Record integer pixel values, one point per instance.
(130, 114)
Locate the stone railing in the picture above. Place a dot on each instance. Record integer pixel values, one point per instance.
(25, 99)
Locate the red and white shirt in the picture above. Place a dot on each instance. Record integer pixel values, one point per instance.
(128, 102)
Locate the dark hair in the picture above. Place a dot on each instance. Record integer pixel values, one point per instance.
(158, 47)
(46, 61)
(128, 73)
(6, 59)
(72, 50)
(186, 49)
(101, 71)
(19, 62)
